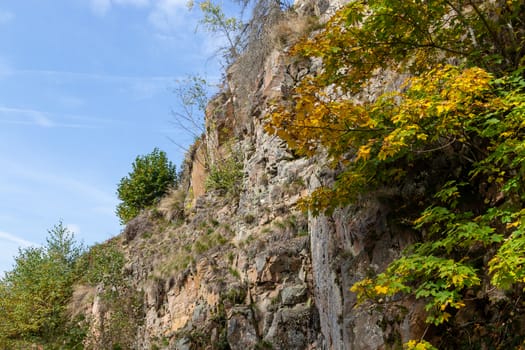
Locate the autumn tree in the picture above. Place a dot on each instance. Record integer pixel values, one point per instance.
(461, 105)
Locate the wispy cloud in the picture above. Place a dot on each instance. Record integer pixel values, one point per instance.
(90, 76)
(15, 239)
(168, 15)
(22, 116)
(140, 87)
(136, 3)
(43, 177)
(43, 119)
(6, 16)
(170, 21)
(102, 7)
(163, 14)
(31, 117)
(9, 246)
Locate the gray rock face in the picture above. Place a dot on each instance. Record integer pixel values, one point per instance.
(291, 327)
(294, 294)
(345, 248)
(241, 330)
(254, 272)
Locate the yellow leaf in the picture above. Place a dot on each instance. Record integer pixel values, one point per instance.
(459, 304)
(422, 136)
(381, 289)
(363, 152)
(411, 343)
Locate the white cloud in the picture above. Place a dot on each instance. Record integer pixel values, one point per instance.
(172, 23)
(91, 76)
(100, 7)
(141, 87)
(136, 3)
(43, 121)
(24, 117)
(72, 185)
(6, 16)
(37, 177)
(32, 117)
(15, 239)
(176, 26)
(9, 247)
(69, 184)
(164, 15)
(168, 15)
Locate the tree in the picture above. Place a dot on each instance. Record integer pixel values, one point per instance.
(193, 95)
(34, 295)
(152, 176)
(216, 21)
(467, 118)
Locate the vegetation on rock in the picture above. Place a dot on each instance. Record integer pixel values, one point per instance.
(226, 176)
(152, 177)
(35, 293)
(216, 21)
(455, 129)
(445, 143)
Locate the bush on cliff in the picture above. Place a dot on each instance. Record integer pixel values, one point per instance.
(152, 176)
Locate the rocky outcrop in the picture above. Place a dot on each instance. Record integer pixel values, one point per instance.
(250, 271)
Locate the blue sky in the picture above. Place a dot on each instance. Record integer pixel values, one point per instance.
(85, 87)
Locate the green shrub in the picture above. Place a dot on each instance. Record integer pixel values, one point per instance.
(152, 176)
(102, 264)
(35, 293)
(226, 177)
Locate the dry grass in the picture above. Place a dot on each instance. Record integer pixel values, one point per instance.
(171, 206)
(81, 301)
(291, 28)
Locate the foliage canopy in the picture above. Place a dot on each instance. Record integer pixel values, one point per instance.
(152, 176)
(460, 109)
(37, 294)
(34, 295)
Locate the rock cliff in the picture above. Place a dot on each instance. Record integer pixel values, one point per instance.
(240, 267)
